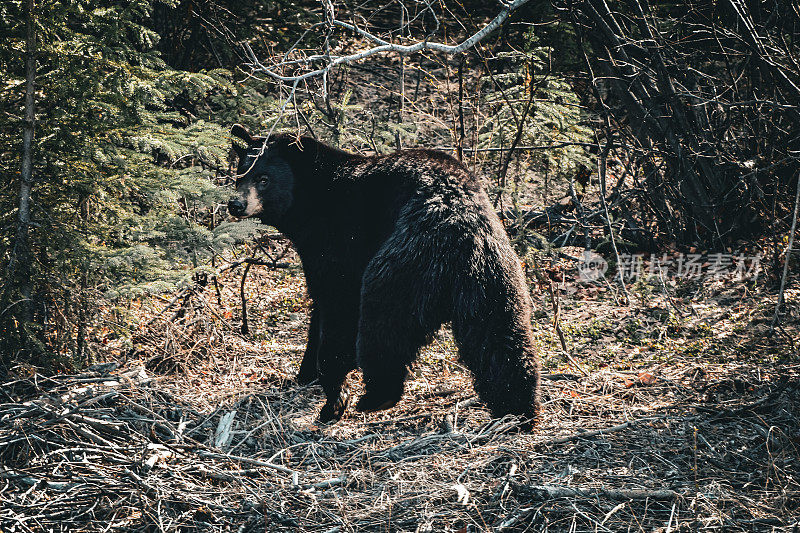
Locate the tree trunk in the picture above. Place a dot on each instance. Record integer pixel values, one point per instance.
(82, 301)
(21, 263)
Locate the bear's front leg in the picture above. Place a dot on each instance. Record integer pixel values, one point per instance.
(332, 373)
(335, 358)
(335, 405)
(308, 368)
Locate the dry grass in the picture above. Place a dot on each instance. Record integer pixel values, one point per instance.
(682, 416)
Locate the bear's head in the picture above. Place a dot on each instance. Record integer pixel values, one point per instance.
(264, 179)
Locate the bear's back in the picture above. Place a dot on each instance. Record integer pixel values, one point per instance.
(420, 170)
(433, 198)
(365, 201)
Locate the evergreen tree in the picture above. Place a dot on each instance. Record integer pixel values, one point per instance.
(126, 158)
(531, 106)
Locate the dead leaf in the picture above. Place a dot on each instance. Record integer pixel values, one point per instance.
(646, 378)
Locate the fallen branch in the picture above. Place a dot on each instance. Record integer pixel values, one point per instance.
(596, 432)
(58, 486)
(246, 460)
(549, 492)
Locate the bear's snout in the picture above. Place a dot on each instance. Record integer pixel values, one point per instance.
(236, 207)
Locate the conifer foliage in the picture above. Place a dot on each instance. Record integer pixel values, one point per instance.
(126, 159)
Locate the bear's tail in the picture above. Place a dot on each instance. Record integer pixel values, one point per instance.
(492, 327)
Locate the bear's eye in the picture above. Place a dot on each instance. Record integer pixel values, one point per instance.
(263, 180)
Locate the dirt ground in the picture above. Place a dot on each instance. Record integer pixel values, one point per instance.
(675, 413)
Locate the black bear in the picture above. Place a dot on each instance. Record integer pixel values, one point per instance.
(392, 247)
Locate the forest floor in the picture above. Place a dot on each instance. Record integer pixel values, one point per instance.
(675, 413)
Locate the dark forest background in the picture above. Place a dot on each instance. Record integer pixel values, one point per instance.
(615, 126)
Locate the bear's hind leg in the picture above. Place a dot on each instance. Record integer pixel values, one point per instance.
(495, 342)
(384, 365)
(394, 323)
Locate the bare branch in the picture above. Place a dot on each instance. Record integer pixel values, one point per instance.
(383, 46)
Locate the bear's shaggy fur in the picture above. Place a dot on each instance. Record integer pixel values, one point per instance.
(393, 246)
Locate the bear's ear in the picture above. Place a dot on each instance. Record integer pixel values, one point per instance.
(239, 131)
